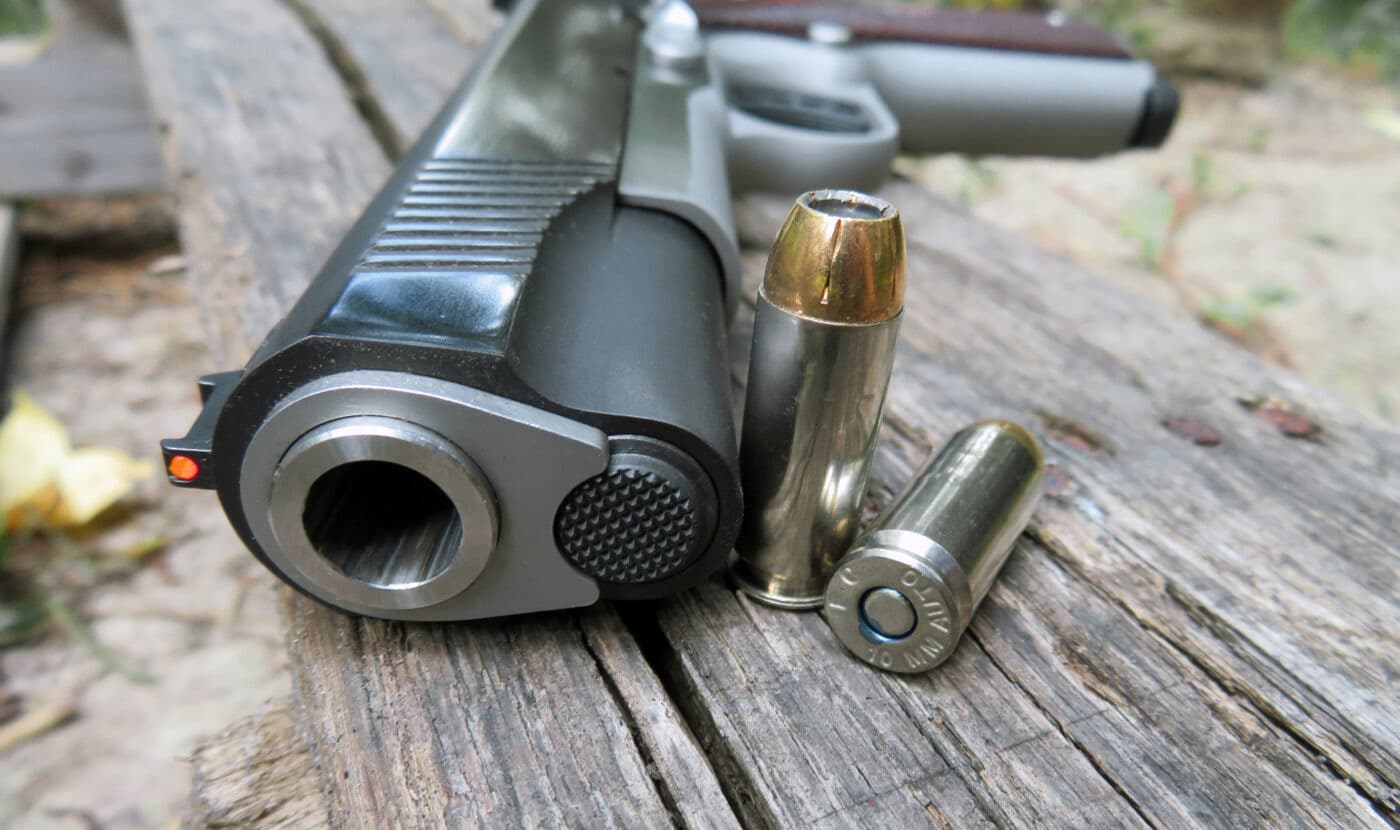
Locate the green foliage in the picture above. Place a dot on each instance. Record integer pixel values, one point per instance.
(1148, 223)
(1361, 34)
(22, 17)
(22, 618)
(1202, 173)
(1324, 238)
(1242, 311)
(1120, 17)
(979, 177)
(22, 613)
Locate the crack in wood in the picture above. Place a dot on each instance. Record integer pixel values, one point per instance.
(740, 791)
(629, 717)
(1385, 807)
(1071, 433)
(740, 788)
(357, 87)
(968, 754)
(1094, 761)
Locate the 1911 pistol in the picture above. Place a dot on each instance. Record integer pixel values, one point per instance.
(507, 390)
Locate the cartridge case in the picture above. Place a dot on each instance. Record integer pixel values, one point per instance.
(824, 341)
(903, 596)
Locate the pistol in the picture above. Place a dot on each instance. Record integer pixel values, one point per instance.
(507, 390)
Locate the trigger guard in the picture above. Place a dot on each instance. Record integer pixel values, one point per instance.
(771, 156)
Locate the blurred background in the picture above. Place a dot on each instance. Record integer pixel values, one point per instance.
(131, 621)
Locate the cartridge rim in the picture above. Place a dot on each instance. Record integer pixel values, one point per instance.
(936, 599)
(773, 591)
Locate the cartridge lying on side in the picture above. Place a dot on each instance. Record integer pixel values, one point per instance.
(824, 340)
(904, 595)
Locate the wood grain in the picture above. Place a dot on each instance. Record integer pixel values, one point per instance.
(556, 721)
(996, 327)
(1190, 635)
(1270, 560)
(493, 724)
(399, 59)
(269, 160)
(256, 774)
(74, 119)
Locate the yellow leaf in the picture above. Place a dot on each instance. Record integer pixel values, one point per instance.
(91, 480)
(33, 446)
(44, 480)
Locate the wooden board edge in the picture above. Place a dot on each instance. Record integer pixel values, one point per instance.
(256, 773)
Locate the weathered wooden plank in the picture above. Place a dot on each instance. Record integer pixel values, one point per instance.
(1177, 743)
(497, 723)
(807, 738)
(995, 327)
(552, 721)
(1269, 559)
(268, 173)
(74, 119)
(681, 769)
(256, 774)
(472, 21)
(1056, 705)
(401, 58)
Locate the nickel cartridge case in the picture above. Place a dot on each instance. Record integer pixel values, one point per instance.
(903, 596)
(824, 341)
